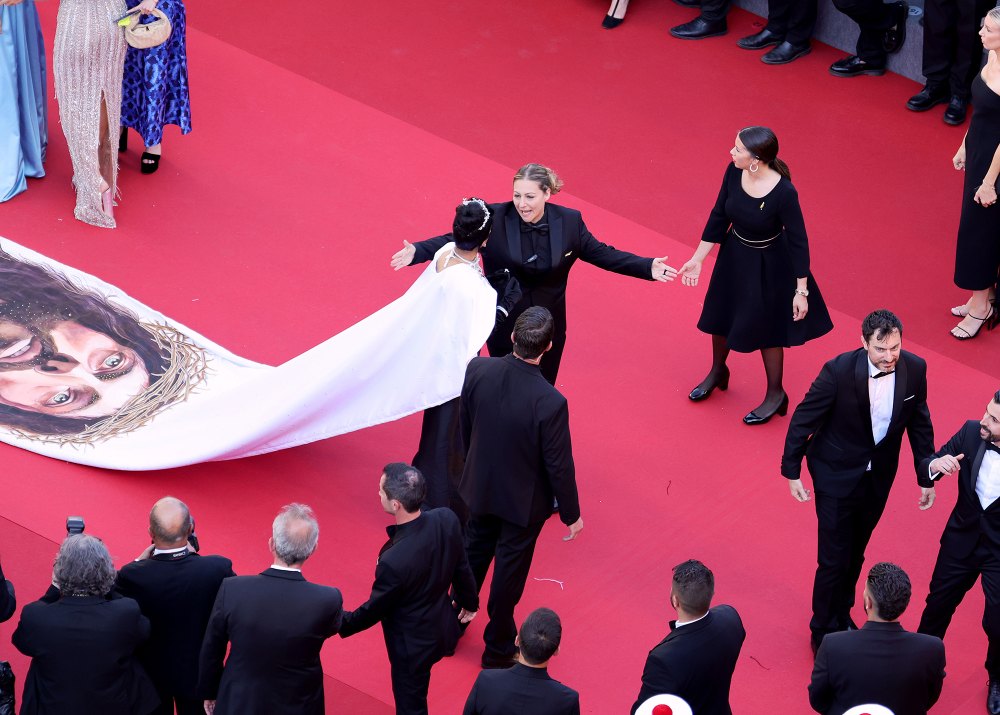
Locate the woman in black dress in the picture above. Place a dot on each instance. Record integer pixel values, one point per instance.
(761, 295)
(977, 256)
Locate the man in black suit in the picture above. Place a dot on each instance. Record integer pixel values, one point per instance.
(538, 243)
(423, 558)
(276, 623)
(970, 544)
(881, 663)
(697, 658)
(850, 426)
(175, 588)
(883, 32)
(518, 456)
(527, 688)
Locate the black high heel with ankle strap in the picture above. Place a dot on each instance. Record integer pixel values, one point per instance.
(989, 322)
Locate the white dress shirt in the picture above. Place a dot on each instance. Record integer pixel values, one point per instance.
(988, 480)
(880, 393)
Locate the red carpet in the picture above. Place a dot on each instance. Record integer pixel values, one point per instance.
(316, 153)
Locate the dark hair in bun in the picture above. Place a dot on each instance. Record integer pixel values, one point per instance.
(473, 221)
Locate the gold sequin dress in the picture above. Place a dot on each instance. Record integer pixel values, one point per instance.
(88, 61)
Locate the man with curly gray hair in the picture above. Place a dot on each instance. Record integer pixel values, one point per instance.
(82, 641)
(276, 624)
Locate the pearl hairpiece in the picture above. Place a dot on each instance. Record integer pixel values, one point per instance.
(482, 204)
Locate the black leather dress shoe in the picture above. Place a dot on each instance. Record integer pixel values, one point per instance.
(927, 98)
(698, 29)
(955, 113)
(852, 66)
(764, 38)
(688, 3)
(611, 23)
(895, 36)
(784, 53)
(993, 697)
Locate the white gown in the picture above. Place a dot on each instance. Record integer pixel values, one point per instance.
(408, 356)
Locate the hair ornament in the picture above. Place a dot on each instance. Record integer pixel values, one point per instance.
(482, 205)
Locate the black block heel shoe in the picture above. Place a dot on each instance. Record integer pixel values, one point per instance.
(702, 392)
(756, 419)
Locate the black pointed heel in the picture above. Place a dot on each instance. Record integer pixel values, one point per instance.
(701, 392)
(753, 418)
(123, 140)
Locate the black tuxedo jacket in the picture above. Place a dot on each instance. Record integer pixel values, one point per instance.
(82, 651)
(696, 662)
(423, 559)
(881, 664)
(518, 451)
(520, 691)
(569, 240)
(968, 519)
(832, 426)
(176, 593)
(276, 623)
(8, 604)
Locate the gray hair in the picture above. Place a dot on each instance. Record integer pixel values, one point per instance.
(292, 543)
(83, 567)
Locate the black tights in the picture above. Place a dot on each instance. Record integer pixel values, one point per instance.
(774, 367)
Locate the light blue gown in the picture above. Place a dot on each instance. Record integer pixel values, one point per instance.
(23, 106)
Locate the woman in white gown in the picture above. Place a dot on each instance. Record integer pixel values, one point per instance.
(89, 375)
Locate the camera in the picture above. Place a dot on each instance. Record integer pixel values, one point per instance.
(75, 525)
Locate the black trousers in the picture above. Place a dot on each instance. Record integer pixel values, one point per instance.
(185, 706)
(953, 52)
(952, 579)
(874, 19)
(490, 538)
(409, 689)
(441, 458)
(845, 528)
(793, 20)
(714, 10)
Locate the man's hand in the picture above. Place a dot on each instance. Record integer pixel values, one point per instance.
(946, 464)
(661, 271)
(799, 492)
(146, 553)
(575, 528)
(466, 616)
(927, 495)
(403, 257)
(209, 707)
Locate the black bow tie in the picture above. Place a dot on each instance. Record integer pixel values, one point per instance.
(877, 375)
(539, 228)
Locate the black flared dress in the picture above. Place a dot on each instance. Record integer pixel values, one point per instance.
(763, 250)
(977, 255)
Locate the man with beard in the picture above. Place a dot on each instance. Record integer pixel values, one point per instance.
(849, 427)
(970, 544)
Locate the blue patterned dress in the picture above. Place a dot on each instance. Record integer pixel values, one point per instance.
(155, 85)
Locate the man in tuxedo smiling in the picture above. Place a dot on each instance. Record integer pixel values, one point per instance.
(849, 427)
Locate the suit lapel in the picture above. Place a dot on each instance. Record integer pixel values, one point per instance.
(513, 237)
(555, 236)
(861, 386)
(900, 393)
